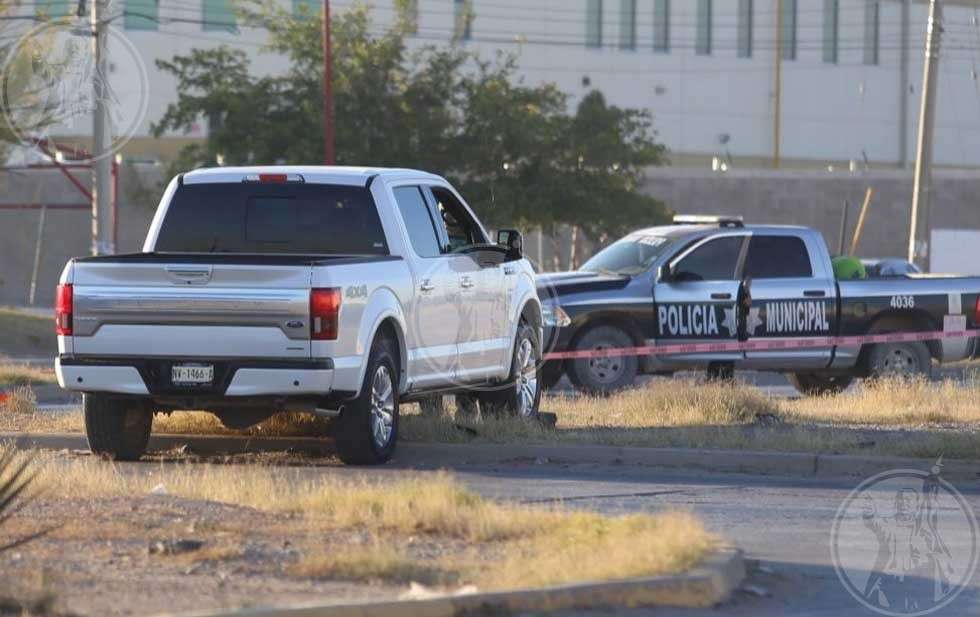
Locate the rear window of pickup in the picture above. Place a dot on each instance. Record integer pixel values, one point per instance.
(309, 219)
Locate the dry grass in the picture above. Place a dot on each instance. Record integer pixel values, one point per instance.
(19, 403)
(917, 418)
(211, 553)
(279, 425)
(429, 504)
(26, 334)
(910, 404)
(588, 547)
(615, 419)
(23, 375)
(373, 561)
(898, 418)
(426, 528)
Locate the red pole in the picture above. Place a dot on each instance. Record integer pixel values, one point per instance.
(329, 155)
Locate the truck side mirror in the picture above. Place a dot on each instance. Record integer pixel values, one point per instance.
(513, 241)
(664, 274)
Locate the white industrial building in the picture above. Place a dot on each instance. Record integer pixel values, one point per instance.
(707, 69)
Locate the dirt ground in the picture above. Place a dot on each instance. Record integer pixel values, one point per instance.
(112, 556)
(101, 559)
(181, 533)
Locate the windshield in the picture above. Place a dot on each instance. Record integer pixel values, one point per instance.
(306, 219)
(631, 255)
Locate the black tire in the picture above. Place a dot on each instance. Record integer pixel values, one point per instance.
(902, 360)
(358, 437)
(603, 376)
(721, 371)
(520, 395)
(551, 374)
(815, 384)
(117, 428)
(432, 406)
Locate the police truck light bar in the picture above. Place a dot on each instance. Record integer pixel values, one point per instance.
(708, 219)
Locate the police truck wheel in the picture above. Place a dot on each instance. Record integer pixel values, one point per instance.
(117, 428)
(520, 395)
(814, 384)
(367, 429)
(903, 360)
(603, 375)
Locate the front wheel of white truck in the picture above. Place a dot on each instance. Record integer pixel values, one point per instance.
(367, 429)
(520, 395)
(117, 428)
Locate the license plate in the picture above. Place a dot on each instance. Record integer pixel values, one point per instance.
(192, 374)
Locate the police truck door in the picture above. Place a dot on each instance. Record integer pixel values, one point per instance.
(793, 295)
(694, 302)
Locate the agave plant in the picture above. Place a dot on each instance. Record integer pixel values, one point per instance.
(15, 478)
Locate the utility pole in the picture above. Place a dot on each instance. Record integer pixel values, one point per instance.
(329, 154)
(777, 117)
(101, 137)
(903, 88)
(922, 186)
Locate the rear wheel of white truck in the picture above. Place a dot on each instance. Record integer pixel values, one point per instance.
(367, 429)
(117, 428)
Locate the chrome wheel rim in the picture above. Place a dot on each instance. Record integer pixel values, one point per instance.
(606, 369)
(527, 377)
(900, 362)
(382, 407)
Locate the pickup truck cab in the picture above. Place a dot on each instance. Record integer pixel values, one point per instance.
(718, 280)
(337, 291)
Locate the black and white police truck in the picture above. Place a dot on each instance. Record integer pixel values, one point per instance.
(332, 290)
(713, 279)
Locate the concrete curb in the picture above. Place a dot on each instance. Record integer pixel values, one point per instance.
(795, 464)
(710, 583)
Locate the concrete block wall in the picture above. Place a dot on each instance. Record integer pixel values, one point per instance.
(67, 233)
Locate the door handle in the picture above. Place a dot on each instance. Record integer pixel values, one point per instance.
(466, 282)
(721, 296)
(814, 293)
(426, 286)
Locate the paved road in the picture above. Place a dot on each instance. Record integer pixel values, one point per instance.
(783, 522)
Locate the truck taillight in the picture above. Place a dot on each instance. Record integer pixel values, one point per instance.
(62, 310)
(976, 313)
(274, 179)
(324, 314)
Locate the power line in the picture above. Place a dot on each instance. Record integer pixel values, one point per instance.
(444, 35)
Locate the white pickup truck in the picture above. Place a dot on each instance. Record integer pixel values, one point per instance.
(337, 291)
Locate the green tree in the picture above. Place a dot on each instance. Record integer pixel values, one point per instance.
(513, 149)
(26, 107)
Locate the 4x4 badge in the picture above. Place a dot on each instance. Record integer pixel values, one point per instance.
(356, 291)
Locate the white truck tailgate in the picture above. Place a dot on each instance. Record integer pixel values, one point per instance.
(192, 308)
